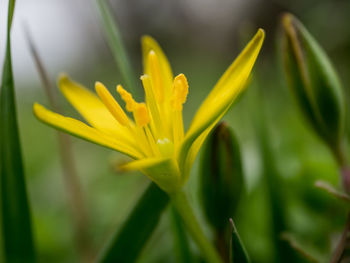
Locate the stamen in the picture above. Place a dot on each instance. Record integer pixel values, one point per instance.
(141, 115)
(143, 141)
(151, 141)
(156, 76)
(112, 105)
(180, 91)
(178, 127)
(151, 103)
(127, 97)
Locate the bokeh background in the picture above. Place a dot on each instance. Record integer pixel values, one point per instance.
(201, 39)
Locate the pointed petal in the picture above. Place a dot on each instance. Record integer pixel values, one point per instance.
(222, 96)
(90, 106)
(148, 44)
(163, 171)
(79, 129)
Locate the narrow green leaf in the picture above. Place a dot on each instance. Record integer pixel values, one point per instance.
(182, 247)
(238, 253)
(15, 212)
(127, 243)
(116, 44)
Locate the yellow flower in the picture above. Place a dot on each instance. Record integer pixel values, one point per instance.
(155, 136)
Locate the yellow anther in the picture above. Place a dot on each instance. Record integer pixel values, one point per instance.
(156, 75)
(112, 105)
(127, 97)
(141, 115)
(180, 91)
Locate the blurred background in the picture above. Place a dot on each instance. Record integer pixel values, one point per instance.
(201, 38)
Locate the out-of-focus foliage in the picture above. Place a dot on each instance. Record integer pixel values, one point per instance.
(313, 81)
(201, 50)
(221, 182)
(128, 242)
(221, 177)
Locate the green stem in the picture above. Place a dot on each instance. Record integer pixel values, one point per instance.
(339, 249)
(340, 156)
(184, 209)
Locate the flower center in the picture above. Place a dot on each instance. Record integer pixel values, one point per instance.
(166, 147)
(158, 126)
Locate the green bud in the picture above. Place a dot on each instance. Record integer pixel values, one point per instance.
(221, 177)
(314, 81)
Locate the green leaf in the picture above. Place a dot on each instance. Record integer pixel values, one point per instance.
(15, 212)
(127, 243)
(116, 44)
(182, 247)
(238, 253)
(274, 185)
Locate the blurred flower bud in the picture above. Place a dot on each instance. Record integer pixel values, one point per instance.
(313, 81)
(221, 177)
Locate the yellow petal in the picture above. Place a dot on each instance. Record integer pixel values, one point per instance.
(79, 129)
(149, 44)
(193, 151)
(222, 96)
(163, 171)
(90, 106)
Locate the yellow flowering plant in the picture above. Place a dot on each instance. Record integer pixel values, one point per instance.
(155, 138)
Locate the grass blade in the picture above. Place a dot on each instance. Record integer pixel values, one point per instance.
(127, 243)
(71, 181)
(116, 44)
(15, 212)
(238, 253)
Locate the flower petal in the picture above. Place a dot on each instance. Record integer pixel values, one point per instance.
(80, 129)
(90, 107)
(222, 96)
(148, 44)
(163, 171)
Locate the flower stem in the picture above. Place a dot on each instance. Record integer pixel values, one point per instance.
(344, 169)
(339, 250)
(180, 202)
